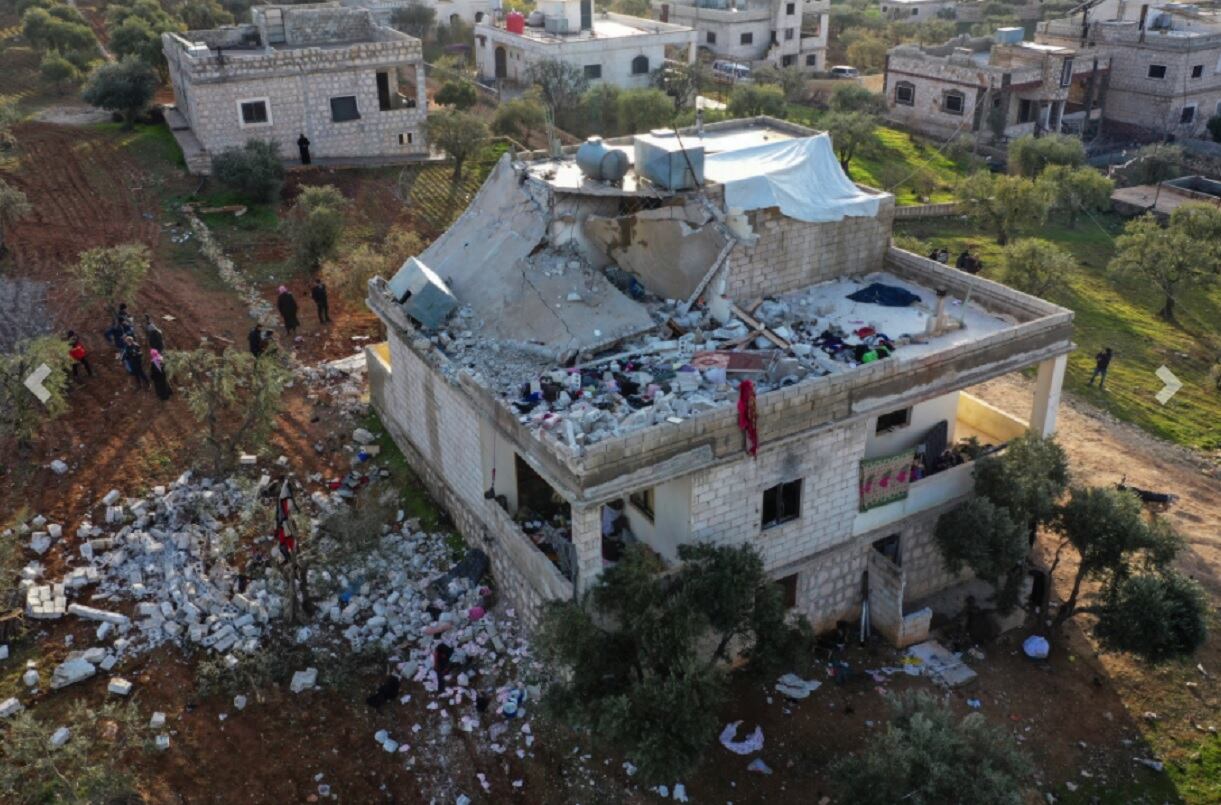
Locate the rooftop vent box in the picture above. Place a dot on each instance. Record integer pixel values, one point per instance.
(1010, 36)
(662, 160)
(423, 295)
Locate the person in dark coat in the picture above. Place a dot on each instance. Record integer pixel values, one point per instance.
(287, 306)
(1102, 362)
(133, 361)
(318, 294)
(156, 368)
(303, 147)
(256, 341)
(153, 334)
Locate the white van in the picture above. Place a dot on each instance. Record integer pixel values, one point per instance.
(844, 71)
(730, 72)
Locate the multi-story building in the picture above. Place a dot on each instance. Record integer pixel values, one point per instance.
(614, 48)
(704, 336)
(784, 33)
(918, 10)
(352, 87)
(991, 88)
(1165, 58)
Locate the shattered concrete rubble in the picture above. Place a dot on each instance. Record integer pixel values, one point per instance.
(696, 356)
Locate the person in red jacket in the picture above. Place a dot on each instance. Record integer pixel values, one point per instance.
(76, 351)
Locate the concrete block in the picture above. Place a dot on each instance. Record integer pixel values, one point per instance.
(111, 497)
(60, 737)
(157, 721)
(92, 614)
(304, 680)
(119, 686)
(163, 742)
(10, 707)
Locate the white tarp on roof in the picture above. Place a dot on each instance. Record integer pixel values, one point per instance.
(802, 177)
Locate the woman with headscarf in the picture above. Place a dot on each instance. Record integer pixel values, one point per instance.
(287, 306)
(156, 369)
(133, 362)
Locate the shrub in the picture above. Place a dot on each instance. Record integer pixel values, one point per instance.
(253, 170)
(316, 222)
(459, 94)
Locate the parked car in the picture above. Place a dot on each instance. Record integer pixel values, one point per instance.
(730, 72)
(845, 71)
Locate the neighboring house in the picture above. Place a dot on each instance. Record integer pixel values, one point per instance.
(991, 88)
(1165, 63)
(354, 88)
(784, 33)
(614, 48)
(571, 387)
(918, 10)
(448, 11)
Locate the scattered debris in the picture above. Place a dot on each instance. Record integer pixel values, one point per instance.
(794, 687)
(940, 664)
(60, 737)
(1036, 647)
(753, 743)
(304, 680)
(759, 767)
(10, 707)
(1156, 765)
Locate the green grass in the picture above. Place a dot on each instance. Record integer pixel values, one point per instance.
(1121, 314)
(923, 170)
(413, 497)
(153, 141)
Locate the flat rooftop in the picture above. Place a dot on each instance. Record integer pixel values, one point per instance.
(616, 26)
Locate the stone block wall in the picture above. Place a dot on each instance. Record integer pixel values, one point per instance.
(320, 25)
(792, 254)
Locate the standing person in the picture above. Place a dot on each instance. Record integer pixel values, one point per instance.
(153, 334)
(943, 256)
(303, 147)
(120, 326)
(963, 260)
(1102, 362)
(156, 368)
(287, 306)
(133, 361)
(76, 351)
(318, 294)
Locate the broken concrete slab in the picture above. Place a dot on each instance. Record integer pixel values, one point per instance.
(60, 737)
(70, 671)
(92, 614)
(940, 664)
(10, 707)
(119, 686)
(668, 249)
(304, 680)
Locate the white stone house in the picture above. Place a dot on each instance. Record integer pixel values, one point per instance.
(565, 392)
(917, 10)
(783, 33)
(975, 88)
(614, 48)
(1165, 58)
(354, 88)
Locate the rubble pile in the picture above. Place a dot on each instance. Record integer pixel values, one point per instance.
(695, 359)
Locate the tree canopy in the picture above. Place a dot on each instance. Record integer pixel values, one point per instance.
(849, 131)
(125, 87)
(316, 222)
(1183, 254)
(21, 413)
(1077, 190)
(519, 118)
(254, 170)
(1035, 266)
(459, 94)
(752, 100)
(1029, 155)
(459, 134)
(1004, 205)
(112, 273)
(647, 673)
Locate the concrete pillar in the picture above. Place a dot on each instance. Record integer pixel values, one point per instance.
(1047, 396)
(692, 52)
(587, 539)
(421, 88)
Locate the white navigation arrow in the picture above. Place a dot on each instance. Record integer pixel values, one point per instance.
(1173, 384)
(34, 383)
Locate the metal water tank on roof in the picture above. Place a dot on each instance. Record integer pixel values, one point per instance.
(424, 296)
(1009, 36)
(599, 162)
(515, 22)
(662, 159)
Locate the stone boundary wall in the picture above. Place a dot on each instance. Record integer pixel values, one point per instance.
(927, 210)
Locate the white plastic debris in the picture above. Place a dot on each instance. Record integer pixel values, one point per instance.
(304, 680)
(794, 687)
(239, 702)
(753, 742)
(59, 467)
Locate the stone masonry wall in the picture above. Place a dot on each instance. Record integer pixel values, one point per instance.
(792, 254)
(439, 436)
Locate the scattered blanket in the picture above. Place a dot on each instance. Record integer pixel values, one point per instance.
(880, 293)
(885, 480)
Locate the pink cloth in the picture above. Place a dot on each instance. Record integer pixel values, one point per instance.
(155, 357)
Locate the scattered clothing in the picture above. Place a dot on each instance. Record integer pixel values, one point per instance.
(752, 743)
(1036, 647)
(885, 480)
(880, 293)
(748, 416)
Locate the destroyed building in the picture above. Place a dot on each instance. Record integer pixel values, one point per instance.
(782, 33)
(702, 336)
(354, 88)
(993, 87)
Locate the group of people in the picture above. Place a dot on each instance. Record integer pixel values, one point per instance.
(122, 335)
(286, 303)
(966, 261)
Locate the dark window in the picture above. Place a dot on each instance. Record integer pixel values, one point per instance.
(1188, 115)
(711, 38)
(254, 112)
(790, 9)
(788, 34)
(781, 503)
(788, 590)
(1157, 71)
(915, 11)
(905, 93)
(788, 61)
(892, 420)
(811, 60)
(593, 71)
(889, 547)
(746, 39)
(643, 501)
(344, 109)
(383, 92)
(1197, 71)
(952, 103)
(1026, 110)
(1066, 73)
(406, 138)
(478, 16)
(640, 65)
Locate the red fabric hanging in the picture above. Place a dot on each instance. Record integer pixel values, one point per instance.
(284, 524)
(748, 416)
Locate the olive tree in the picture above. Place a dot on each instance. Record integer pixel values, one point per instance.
(316, 222)
(461, 135)
(1004, 205)
(21, 413)
(125, 87)
(1183, 254)
(1035, 266)
(254, 170)
(112, 273)
(1030, 155)
(1077, 190)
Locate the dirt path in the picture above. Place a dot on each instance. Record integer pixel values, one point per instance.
(1103, 450)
